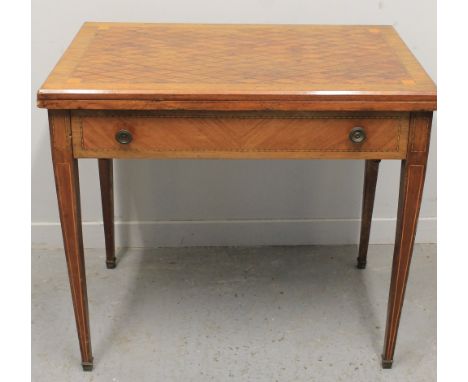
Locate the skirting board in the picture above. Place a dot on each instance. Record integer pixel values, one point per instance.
(233, 233)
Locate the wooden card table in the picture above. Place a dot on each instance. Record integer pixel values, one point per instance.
(238, 91)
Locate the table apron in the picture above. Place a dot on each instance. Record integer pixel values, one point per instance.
(240, 135)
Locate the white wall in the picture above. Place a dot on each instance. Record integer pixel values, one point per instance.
(186, 202)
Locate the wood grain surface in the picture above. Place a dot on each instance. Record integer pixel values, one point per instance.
(371, 172)
(106, 181)
(413, 172)
(239, 135)
(118, 65)
(68, 196)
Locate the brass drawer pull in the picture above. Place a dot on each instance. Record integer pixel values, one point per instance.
(357, 135)
(124, 137)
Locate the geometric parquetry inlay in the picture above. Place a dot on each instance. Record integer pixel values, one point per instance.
(255, 55)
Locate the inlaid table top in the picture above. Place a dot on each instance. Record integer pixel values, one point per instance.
(135, 66)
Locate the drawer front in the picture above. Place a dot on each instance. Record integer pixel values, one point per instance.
(253, 135)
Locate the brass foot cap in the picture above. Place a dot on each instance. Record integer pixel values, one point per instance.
(87, 366)
(111, 264)
(387, 363)
(361, 264)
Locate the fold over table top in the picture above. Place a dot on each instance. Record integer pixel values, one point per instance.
(237, 67)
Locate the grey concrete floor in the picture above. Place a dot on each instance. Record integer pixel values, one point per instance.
(234, 314)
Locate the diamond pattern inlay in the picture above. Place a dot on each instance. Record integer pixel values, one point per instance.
(255, 55)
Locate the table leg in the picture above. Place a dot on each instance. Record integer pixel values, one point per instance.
(413, 171)
(68, 195)
(107, 198)
(370, 181)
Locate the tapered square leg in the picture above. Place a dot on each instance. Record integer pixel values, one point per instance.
(371, 172)
(107, 198)
(68, 195)
(413, 171)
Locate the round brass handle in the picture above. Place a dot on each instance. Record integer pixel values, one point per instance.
(124, 137)
(357, 135)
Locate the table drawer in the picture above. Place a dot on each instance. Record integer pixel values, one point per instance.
(105, 134)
